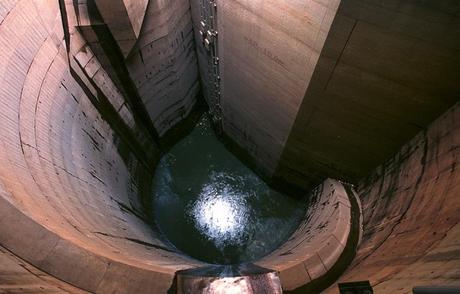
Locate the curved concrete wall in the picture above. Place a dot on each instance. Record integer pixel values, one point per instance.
(319, 242)
(411, 210)
(69, 178)
(76, 160)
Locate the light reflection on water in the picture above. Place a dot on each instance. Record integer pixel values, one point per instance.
(221, 212)
(212, 207)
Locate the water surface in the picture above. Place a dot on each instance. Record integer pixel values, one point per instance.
(212, 207)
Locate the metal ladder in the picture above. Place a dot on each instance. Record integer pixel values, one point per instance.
(209, 36)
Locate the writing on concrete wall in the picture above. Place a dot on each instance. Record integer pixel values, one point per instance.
(264, 51)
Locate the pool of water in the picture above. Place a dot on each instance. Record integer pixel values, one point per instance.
(215, 209)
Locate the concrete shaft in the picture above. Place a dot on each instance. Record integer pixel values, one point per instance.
(86, 100)
(71, 173)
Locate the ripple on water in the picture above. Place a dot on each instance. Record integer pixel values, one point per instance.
(221, 212)
(212, 207)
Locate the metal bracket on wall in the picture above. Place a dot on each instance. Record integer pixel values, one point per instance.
(209, 37)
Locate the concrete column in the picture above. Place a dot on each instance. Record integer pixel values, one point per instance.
(267, 54)
(387, 69)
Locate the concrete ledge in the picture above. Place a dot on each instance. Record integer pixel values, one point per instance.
(320, 240)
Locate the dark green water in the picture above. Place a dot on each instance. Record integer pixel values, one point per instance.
(214, 208)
